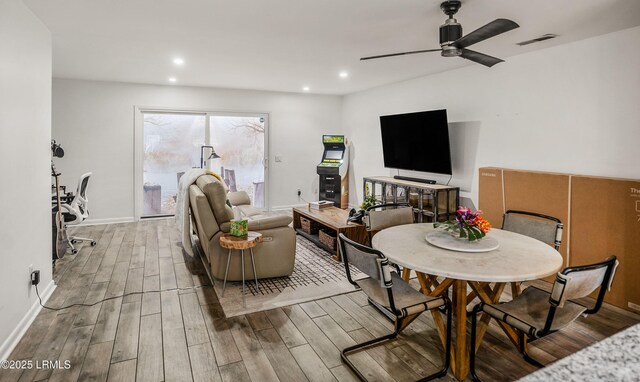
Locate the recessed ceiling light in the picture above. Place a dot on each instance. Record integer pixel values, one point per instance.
(343, 74)
(178, 61)
(172, 79)
(305, 89)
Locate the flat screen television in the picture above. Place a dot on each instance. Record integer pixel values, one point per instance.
(417, 141)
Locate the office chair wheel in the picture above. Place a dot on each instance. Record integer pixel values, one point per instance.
(93, 243)
(74, 241)
(74, 251)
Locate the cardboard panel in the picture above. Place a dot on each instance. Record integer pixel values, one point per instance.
(541, 192)
(605, 219)
(490, 195)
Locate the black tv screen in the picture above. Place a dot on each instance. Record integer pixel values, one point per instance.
(417, 141)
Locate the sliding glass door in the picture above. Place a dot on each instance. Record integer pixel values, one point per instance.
(173, 142)
(240, 142)
(171, 147)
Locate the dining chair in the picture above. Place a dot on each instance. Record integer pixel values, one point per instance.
(387, 215)
(536, 313)
(545, 228)
(383, 216)
(388, 292)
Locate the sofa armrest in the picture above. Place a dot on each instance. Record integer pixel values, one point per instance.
(225, 227)
(239, 198)
(262, 222)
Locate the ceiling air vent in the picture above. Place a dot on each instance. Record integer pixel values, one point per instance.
(538, 39)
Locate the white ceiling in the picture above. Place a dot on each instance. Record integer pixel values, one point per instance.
(284, 45)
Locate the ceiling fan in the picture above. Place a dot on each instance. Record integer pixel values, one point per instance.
(453, 44)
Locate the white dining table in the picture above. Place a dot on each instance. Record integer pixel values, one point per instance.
(469, 274)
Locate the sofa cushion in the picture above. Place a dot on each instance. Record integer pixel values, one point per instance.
(239, 198)
(217, 196)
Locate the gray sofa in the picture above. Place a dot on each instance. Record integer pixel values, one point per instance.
(274, 257)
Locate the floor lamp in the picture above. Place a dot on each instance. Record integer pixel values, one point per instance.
(213, 155)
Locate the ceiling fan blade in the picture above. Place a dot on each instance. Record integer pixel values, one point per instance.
(480, 58)
(399, 54)
(492, 29)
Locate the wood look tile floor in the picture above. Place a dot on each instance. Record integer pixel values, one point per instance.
(181, 333)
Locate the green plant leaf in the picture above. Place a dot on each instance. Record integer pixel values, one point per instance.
(477, 232)
(472, 235)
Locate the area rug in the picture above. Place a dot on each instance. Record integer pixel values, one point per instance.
(315, 275)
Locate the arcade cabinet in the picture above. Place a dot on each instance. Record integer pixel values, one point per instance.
(334, 183)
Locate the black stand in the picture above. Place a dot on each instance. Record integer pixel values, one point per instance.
(427, 181)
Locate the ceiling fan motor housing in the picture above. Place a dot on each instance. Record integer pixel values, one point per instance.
(450, 31)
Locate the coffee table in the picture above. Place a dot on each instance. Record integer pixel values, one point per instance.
(333, 218)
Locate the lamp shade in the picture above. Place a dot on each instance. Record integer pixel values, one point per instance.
(213, 154)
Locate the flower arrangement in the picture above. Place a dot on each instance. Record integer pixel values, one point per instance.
(467, 224)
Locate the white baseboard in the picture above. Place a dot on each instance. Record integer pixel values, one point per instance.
(278, 208)
(128, 219)
(17, 333)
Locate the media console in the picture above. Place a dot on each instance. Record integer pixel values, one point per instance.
(430, 202)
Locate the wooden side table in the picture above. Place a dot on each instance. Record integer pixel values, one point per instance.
(240, 243)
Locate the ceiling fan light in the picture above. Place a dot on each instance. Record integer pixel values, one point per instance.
(450, 51)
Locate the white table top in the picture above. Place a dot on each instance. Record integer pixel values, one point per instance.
(519, 257)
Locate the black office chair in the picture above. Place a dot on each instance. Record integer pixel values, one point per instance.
(537, 313)
(388, 292)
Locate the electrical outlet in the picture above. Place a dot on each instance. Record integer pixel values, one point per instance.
(35, 277)
(299, 192)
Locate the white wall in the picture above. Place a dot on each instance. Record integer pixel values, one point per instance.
(25, 133)
(573, 108)
(95, 123)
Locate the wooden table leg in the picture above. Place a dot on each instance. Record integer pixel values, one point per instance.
(459, 300)
(406, 274)
(459, 349)
(492, 296)
(515, 289)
